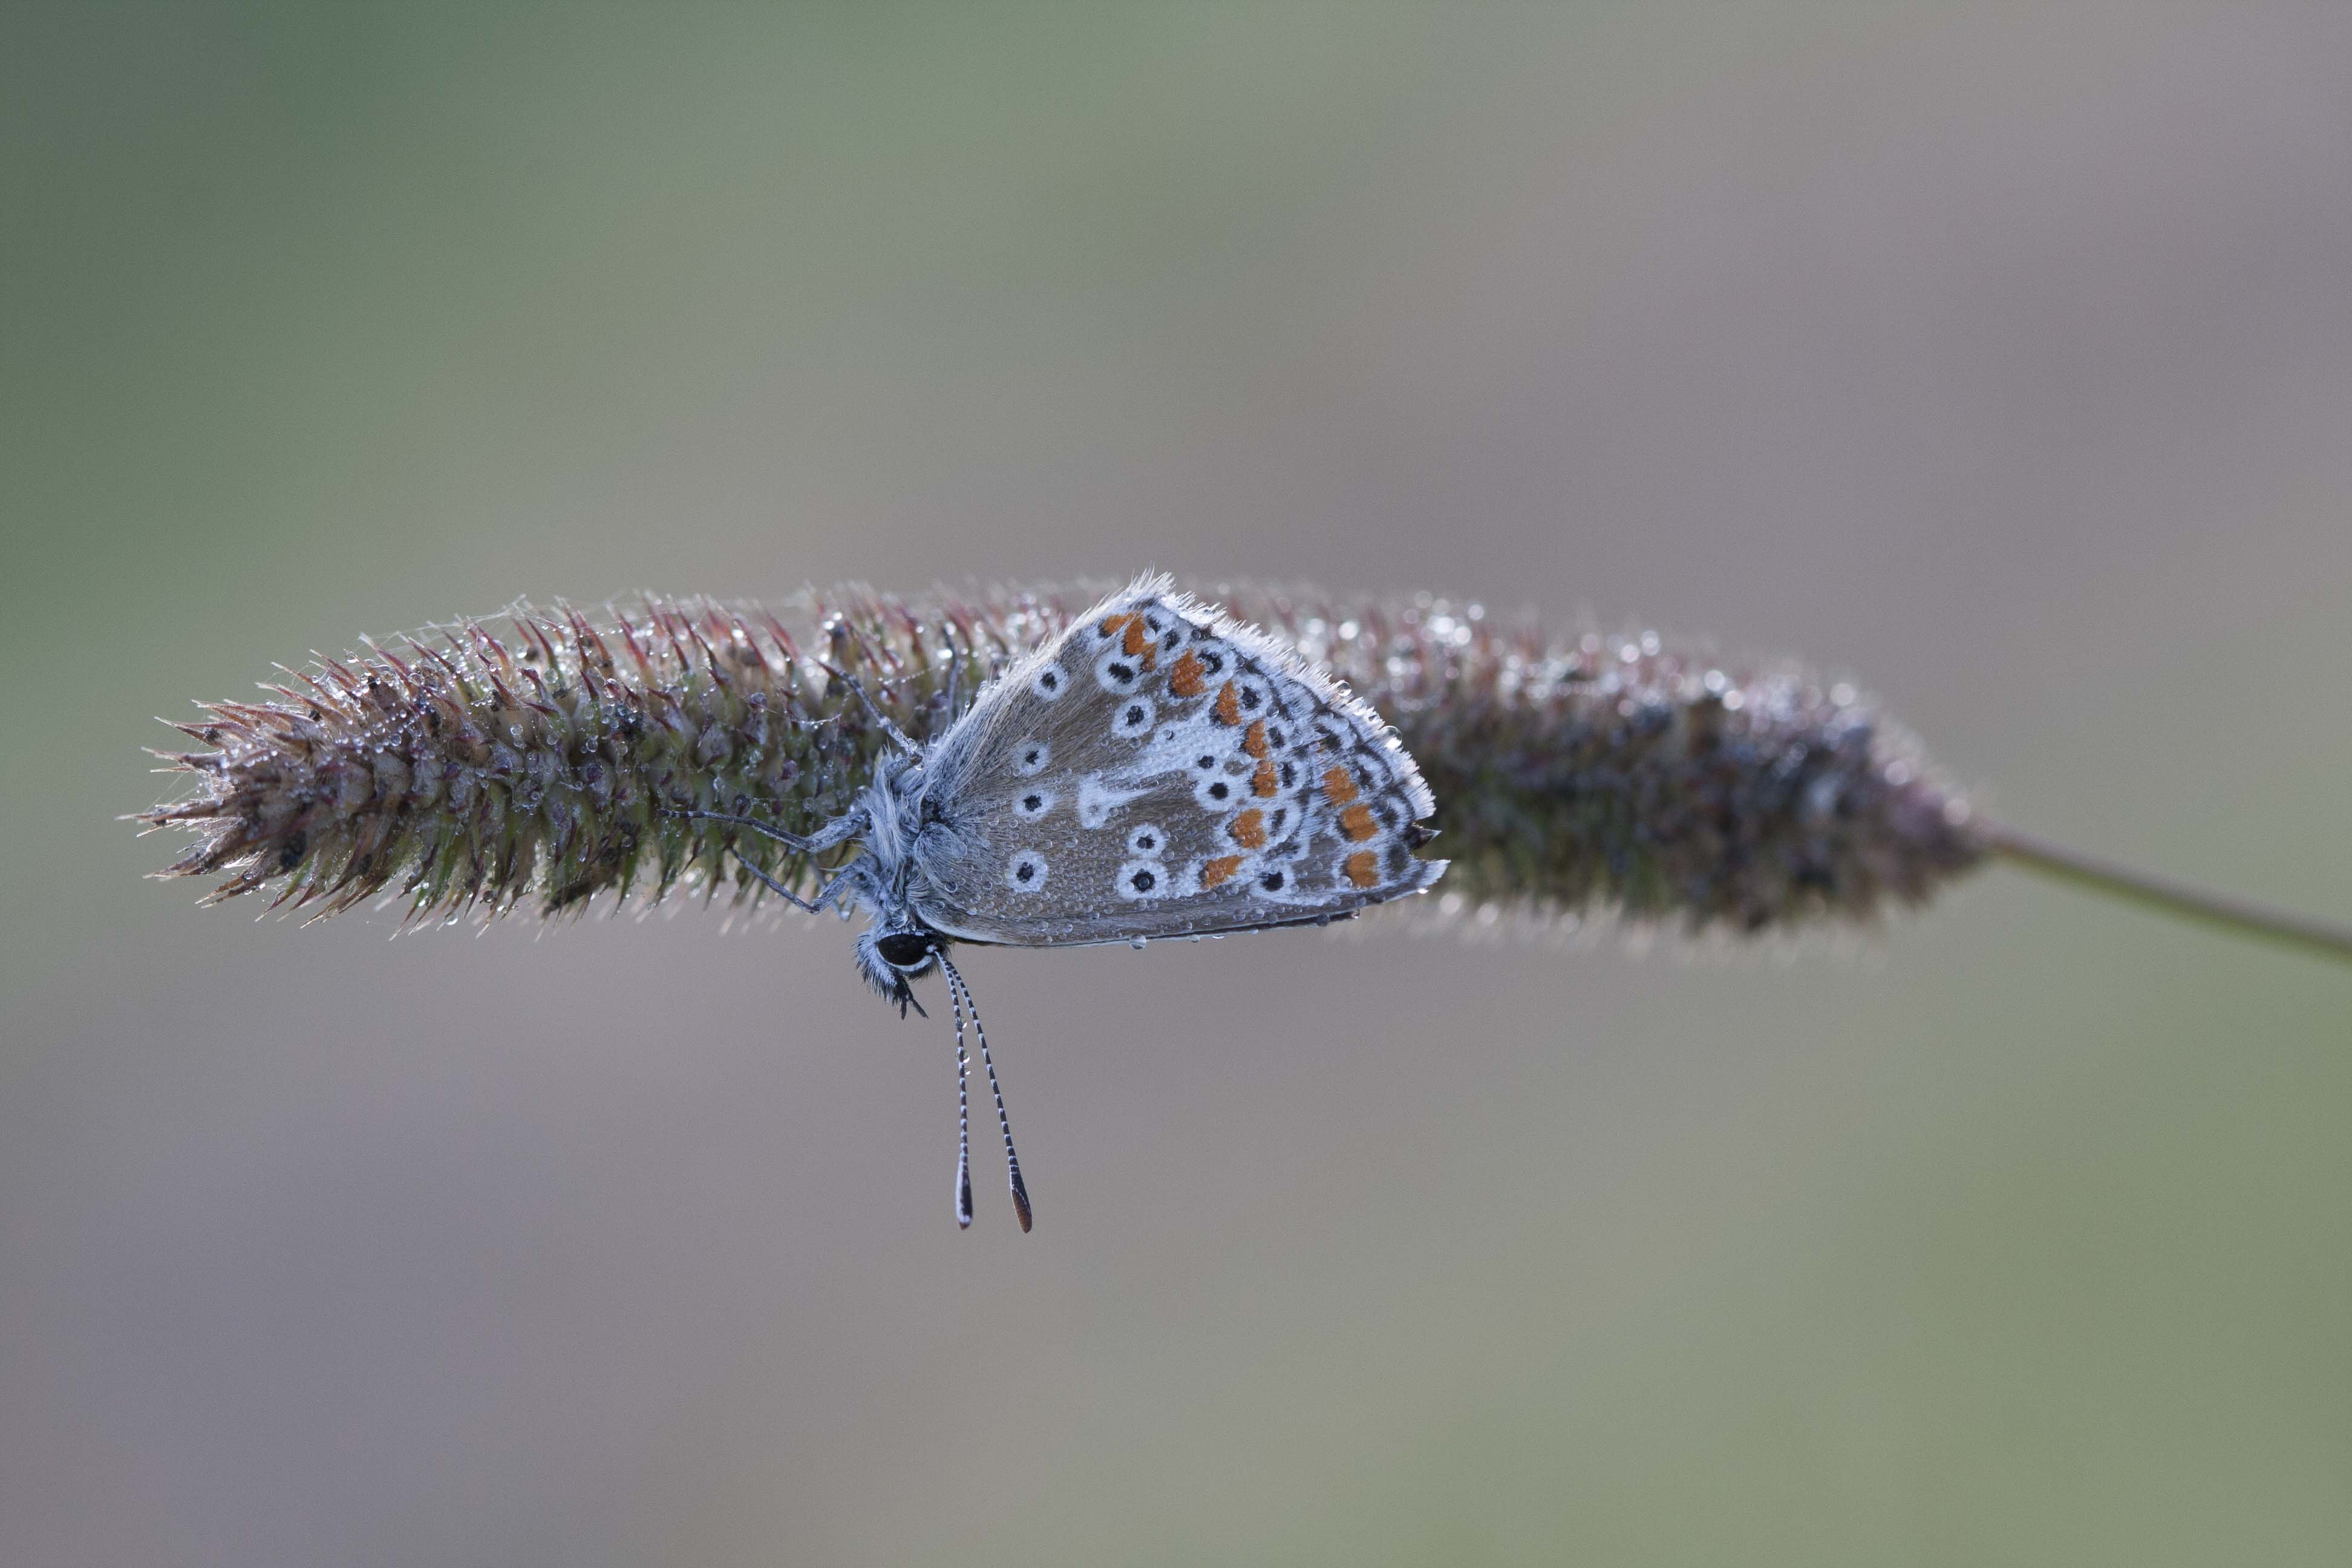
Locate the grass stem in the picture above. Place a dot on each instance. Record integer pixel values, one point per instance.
(2240, 916)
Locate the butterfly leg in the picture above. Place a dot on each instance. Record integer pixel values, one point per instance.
(779, 890)
(856, 874)
(947, 719)
(953, 711)
(840, 830)
(853, 875)
(904, 741)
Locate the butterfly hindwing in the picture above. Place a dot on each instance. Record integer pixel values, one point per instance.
(1157, 768)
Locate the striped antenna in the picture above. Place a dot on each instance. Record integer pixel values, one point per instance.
(956, 988)
(963, 1120)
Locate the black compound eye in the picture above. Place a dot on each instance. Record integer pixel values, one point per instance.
(904, 950)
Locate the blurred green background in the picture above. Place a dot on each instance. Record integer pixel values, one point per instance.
(2002, 358)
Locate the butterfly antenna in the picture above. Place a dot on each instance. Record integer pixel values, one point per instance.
(1012, 1158)
(963, 1120)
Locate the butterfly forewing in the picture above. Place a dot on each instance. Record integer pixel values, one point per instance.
(1160, 770)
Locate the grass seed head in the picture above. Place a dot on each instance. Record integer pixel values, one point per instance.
(542, 757)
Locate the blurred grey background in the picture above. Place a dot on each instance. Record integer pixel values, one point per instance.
(2001, 358)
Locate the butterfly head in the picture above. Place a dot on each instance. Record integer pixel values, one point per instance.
(892, 954)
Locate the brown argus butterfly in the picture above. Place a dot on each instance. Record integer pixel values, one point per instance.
(1155, 770)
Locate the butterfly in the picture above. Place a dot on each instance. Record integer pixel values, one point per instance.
(1156, 769)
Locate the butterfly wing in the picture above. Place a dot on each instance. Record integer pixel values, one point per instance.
(1159, 769)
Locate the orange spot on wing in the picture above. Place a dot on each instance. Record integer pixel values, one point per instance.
(1138, 637)
(1266, 781)
(1340, 785)
(1222, 869)
(1363, 867)
(1255, 742)
(1356, 823)
(1184, 681)
(1111, 624)
(1229, 705)
(1249, 829)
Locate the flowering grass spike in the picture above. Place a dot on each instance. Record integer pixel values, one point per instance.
(544, 758)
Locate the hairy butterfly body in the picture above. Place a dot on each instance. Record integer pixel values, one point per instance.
(1155, 770)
